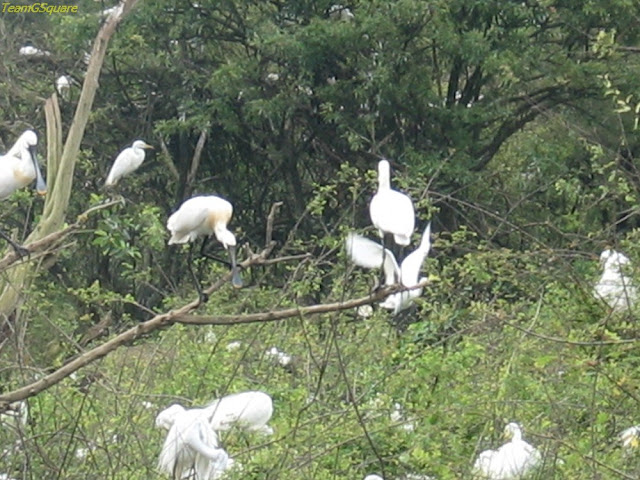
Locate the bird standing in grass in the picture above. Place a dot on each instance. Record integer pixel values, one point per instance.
(127, 161)
(203, 216)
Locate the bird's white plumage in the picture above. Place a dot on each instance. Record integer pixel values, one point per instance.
(18, 167)
(368, 254)
(31, 51)
(16, 416)
(202, 215)
(127, 161)
(511, 461)
(391, 212)
(63, 84)
(191, 445)
(250, 411)
(630, 438)
(614, 287)
(373, 477)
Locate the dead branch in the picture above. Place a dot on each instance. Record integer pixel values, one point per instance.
(53, 239)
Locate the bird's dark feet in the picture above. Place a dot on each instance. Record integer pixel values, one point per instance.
(21, 251)
(203, 298)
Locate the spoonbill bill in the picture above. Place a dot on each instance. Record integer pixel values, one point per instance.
(511, 461)
(191, 445)
(127, 161)
(614, 287)
(18, 168)
(369, 254)
(203, 216)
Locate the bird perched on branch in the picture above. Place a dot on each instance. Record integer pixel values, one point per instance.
(127, 161)
(511, 461)
(368, 254)
(203, 216)
(191, 445)
(391, 212)
(614, 287)
(18, 168)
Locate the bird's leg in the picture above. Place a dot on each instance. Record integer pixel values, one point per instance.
(201, 295)
(20, 250)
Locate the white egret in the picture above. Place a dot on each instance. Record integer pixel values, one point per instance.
(630, 438)
(368, 254)
(511, 461)
(18, 168)
(250, 411)
(63, 84)
(614, 287)
(373, 477)
(283, 359)
(391, 212)
(191, 444)
(205, 215)
(127, 161)
(29, 50)
(340, 12)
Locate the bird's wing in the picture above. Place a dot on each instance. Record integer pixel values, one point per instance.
(126, 162)
(175, 457)
(412, 264)
(368, 254)
(188, 217)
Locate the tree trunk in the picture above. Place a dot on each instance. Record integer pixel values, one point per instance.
(61, 162)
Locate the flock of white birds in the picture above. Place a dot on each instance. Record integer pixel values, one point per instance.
(191, 448)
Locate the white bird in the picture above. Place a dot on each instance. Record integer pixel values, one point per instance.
(282, 358)
(205, 215)
(191, 444)
(18, 168)
(63, 84)
(16, 415)
(127, 161)
(340, 12)
(511, 461)
(368, 254)
(614, 287)
(250, 411)
(630, 438)
(373, 477)
(391, 212)
(31, 51)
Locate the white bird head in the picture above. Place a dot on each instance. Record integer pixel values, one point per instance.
(384, 174)
(141, 144)
(513, 431)
(166, 417)
(225, 237)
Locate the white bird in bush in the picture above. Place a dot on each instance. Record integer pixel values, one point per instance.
(127, 161)
(614, 287)
(191, 445)
(368, 254)
(391, 212)
(250, 411)
(63, 84)
(205, 215)
(18, 168)
(630, 438)
(511, 461)
(16, 415)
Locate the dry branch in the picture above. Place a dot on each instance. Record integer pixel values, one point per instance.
(52, 240)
